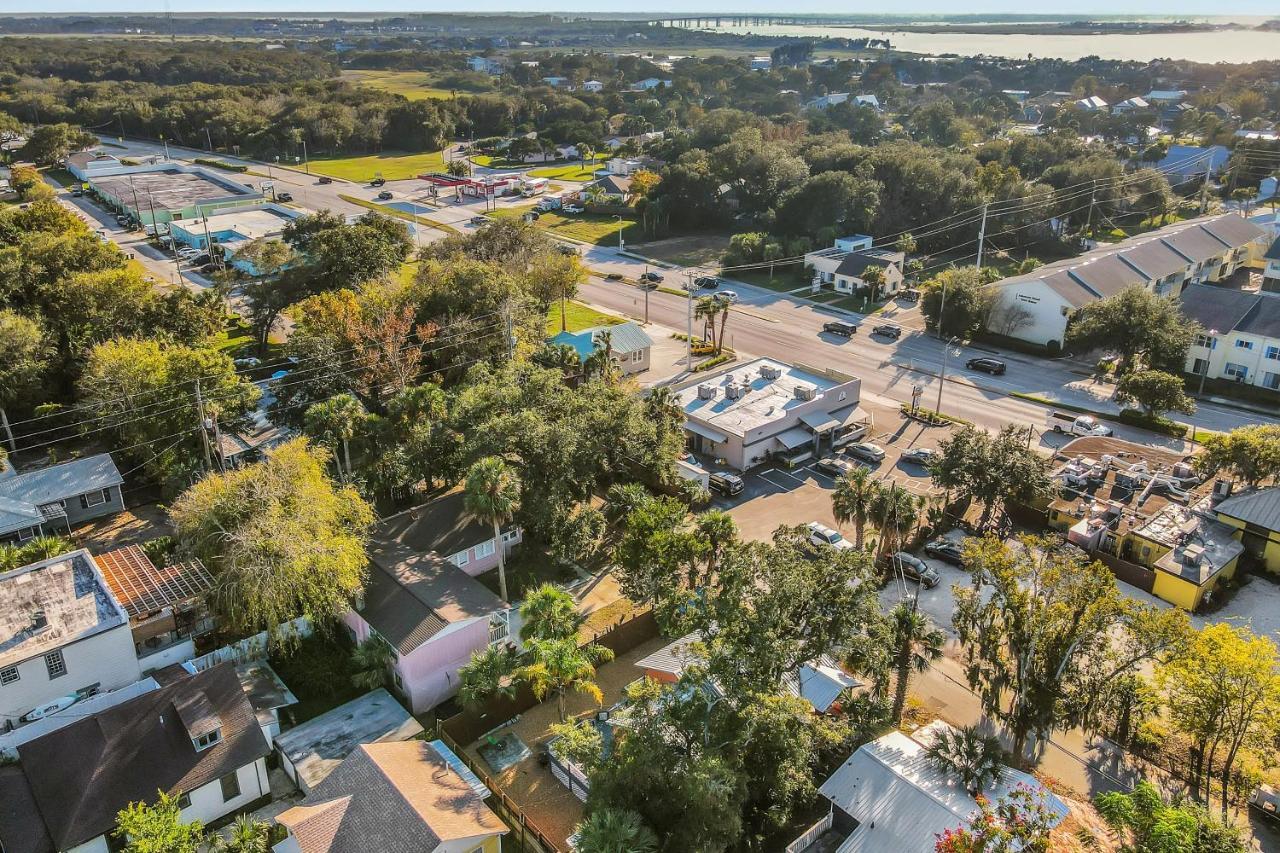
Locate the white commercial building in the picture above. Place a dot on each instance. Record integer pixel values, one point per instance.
(752, 413)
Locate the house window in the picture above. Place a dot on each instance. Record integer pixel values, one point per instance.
(1273, 353)
(184, 800)
(56, 665)
(26, 533)
(9, 674)
(94, 499)
(1206, 341)
(485, 549)
(230, 787)
(207, 740)
(1243, 344)
(1239, 371)
(1269, 380)
(461, 558)
(510, 535)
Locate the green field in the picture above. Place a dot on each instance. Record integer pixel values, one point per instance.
(585, 227)
(414, 85)
(578, 317)
(393, 165)
(570, 172)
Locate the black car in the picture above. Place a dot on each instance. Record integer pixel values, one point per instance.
(835, 327)
(994, 366)
(479, 220)
(377, 182)
(284, 197)
(945, 550)
(834, 466)
(385, 195)
(726, 484)
(914, 569)
(613, 276)
(706, 282)
(325, 179)
(651, 276)
(887, 331)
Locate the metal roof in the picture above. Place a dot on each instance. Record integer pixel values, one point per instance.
(22, 495)
(142, 589)
(1261, 508)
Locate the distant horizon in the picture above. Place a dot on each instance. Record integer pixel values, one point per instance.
(1142, 8)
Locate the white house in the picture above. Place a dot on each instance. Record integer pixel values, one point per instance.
(64, 635)
(648, 84)
(749, 414)
(592, 86)
(841, 266)
(1092, 104)
(890, 797)
(1035, 307)
(1241, 337)
(761, 63)
(86, 164)
(195, 738)
(1164, 97)
(485, 65)
(1131, 105)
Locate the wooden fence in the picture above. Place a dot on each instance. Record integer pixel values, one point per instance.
(1131, 573)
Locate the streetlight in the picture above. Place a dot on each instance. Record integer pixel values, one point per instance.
(1213, 344)
(942, 377)
(619, 218)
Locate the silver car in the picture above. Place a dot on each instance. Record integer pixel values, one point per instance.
(866, 451)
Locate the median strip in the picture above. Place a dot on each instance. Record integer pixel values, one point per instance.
(398, 214)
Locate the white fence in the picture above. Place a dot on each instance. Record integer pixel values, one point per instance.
(811, 835)
(250, 648)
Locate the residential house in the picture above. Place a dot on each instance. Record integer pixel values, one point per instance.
(891, 797)
(310, 752)
(765, 410)
(1183, 163)
(842, 265)
(1036, 306)
(629, 345)
(1034, 109)
(49, 500)
(823, 102)
(86, 164)
(1164, 97)
(64, 636)
(1240, 340)
(1135, 104)
(195, 738)
(267, 694)
(623, 166)
(611, 188)
(761, 63)
(165, 605)
(648, 84)
(1258, 135)
(593, 86)
(1255, 517)
(1018, 96)
(405, 797)
(1224, 111)
(486, 65)
(1092, 104)
(1171, 115)
(559, 83)
(423, 601)
(1145, 513)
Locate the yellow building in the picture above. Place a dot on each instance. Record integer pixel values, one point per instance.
(1255, 517)
(1188, 550)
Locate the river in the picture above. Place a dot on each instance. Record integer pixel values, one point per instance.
(1228, 45)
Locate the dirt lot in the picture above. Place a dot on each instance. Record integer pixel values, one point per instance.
(548, 803)
(698, 250)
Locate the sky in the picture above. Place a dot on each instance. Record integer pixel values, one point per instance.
(1073, 8)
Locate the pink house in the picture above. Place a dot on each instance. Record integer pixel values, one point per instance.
(423, 600)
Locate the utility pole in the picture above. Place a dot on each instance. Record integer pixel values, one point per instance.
(942, 376)
(509, 325)
(646, 306)
(1204, 188)
(120, 119)
(305, 160)
(688, 342)
(204, 435)
(166, 149)
(982, 234)
(1093, 198)
(4, 422)
(208, 139)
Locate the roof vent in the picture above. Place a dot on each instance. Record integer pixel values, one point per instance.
(706, 391)
(1192, 555)
(805, 392)
(39, 621)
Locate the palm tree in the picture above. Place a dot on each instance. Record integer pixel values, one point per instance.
(723, 305)
(559, 666)
(975, 759)
(486, 676)
(916, 644)
(897, 510)
(855, 496)
(335, 421)
(717, 530)
(706, 310)
(615, 831)
(246, 836)
(549, 613)
(369, 664)
(493, 496)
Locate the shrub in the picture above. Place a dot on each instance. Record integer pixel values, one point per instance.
(1162, 425)
(319, 666)
(219, 164)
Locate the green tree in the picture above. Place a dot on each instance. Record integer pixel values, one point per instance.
(369, 664)
(1145, 330)
(578, 742)
(281, 538)
(458, 168)
(1018, 822)
(335, 422)
(853, 500)
(897, 512)
(488, 675)
(608, 830)
(1251, 453)
(1155, 391)
(993, 470)
(969, 302)
(1163, 827)
(558, 666)
(246, 835)
(555, 276)
(916, 644)
(492, 497)
(975, 759)
(49, 144)
(549, 613)
(24, 356)
(158, 828)
(830, 199)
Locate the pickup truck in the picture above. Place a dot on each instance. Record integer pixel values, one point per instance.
(1075, 424)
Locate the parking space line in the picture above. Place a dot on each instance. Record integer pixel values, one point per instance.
(783, 473)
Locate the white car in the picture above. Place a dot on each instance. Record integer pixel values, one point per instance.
(188, 251)
(571, 208)
(726, 296)
(820, 534)
(866, 451)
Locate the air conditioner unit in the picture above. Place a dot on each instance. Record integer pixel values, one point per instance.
(733, 391)
(770, 371)
(706, 391)
(805, 392)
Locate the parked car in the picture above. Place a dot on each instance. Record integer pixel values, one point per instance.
(888, 331)
(201, 259)
(77, 192)
(385, 195)
(566, 249)
(613, 276)
(706, 282)
(187, 253)
(123, 221)
(572, 208)
(920, 456)
(910, 295)
(914, 569)
(729, 296)
(208, 269)
(325, 179)
(479, 220)
(945, 550)
(247, 363)
(1074, 424)
(726, 484)
(866, 451)
(834, 466)
(651, 276)
(377, 182)
(1266, 799)
(994, 366)
(836, 327)
(820, 534)
(284, 197)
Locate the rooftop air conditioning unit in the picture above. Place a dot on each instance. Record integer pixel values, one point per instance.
(770, 371)
(732, 391)
(805, 392)
(706, 391)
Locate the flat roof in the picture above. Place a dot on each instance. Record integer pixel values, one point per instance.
(170, 189)
(251, 223)
(46, 605)
(762, 401)
(1199, 546)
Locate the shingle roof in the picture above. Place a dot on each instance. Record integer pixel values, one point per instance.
(1261, 507)
(1226, 310)
(855, 263)
(396, 613)
(397, 797)
(82, 774)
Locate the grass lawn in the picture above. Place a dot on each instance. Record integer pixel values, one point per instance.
(784, 279)
(692, 251)
(62, 176)
(414, 85)
(396, 213)
(578, 316)
(236, 340)
(393, 165)
(586, 227)
(527, 569)
(566, 172)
